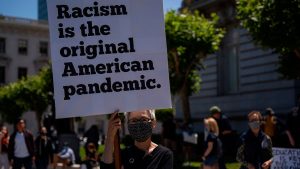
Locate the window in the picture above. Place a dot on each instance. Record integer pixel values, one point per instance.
(229, 63)
(2, 74)
(2, 45)
(22, 72)
(22, 44)
(44, 48)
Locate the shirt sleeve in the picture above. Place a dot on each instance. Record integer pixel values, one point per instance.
(211, 138)
(268, 144)
(240, 156)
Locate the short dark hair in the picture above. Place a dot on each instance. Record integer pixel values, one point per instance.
(19, 120)
(269, 111)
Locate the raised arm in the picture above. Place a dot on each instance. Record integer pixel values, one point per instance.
(114, 125)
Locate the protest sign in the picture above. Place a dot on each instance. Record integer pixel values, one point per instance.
(285, 158)
(108, 55)
(190, 137)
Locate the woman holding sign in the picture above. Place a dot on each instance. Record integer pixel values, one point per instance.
(144, 153)
(255, 151)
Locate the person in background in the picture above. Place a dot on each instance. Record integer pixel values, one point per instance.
(91, 161)
(21, 147)
(225, 131)
(255, 150)
(277, 130)
(212, 144)
(169, 132)
(65, 156)
(293, 123)
(144, 153)
(188, 145)
(4, 138)
(44, 149)
(92, 135)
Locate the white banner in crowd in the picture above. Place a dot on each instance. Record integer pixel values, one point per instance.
(285, 158)
(108, 55)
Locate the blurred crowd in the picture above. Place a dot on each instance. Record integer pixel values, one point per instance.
(216, 145)
(220, 144)
(21, 150)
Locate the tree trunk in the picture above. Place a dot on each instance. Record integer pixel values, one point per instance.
(297, 52)
(64, 126)
(39, 119)
(185, 103)
(174, 101)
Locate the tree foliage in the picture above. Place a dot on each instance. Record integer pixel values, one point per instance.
(163, 114)
(289, 65)
(190, 38)
(274, 24)
(31, 93)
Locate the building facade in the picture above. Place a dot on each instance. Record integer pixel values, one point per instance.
(24, 50)
(241, 76)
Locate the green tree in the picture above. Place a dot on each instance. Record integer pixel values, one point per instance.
(11, 107)
(34, 93)
(275, 24)
(31, 93)
(190, 38)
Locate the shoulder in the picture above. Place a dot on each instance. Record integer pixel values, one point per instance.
(28, 133)
(245, 135)
(225, 120)
(224, 117)
(70, 149)
(266, 137)
(13, 135)
(266, 142)
(164, 151)
(37, 138)
(164, 157)
(162, 148)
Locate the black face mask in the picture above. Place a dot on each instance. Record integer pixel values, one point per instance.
(140, 131)
(254, 125)
(43, 134)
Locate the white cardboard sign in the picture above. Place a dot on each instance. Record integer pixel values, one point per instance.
(285, 158)
(108, 55)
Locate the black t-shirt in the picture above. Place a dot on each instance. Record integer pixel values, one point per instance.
(216, 145)
(169, 129)
(134, 158)
(223, 124)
